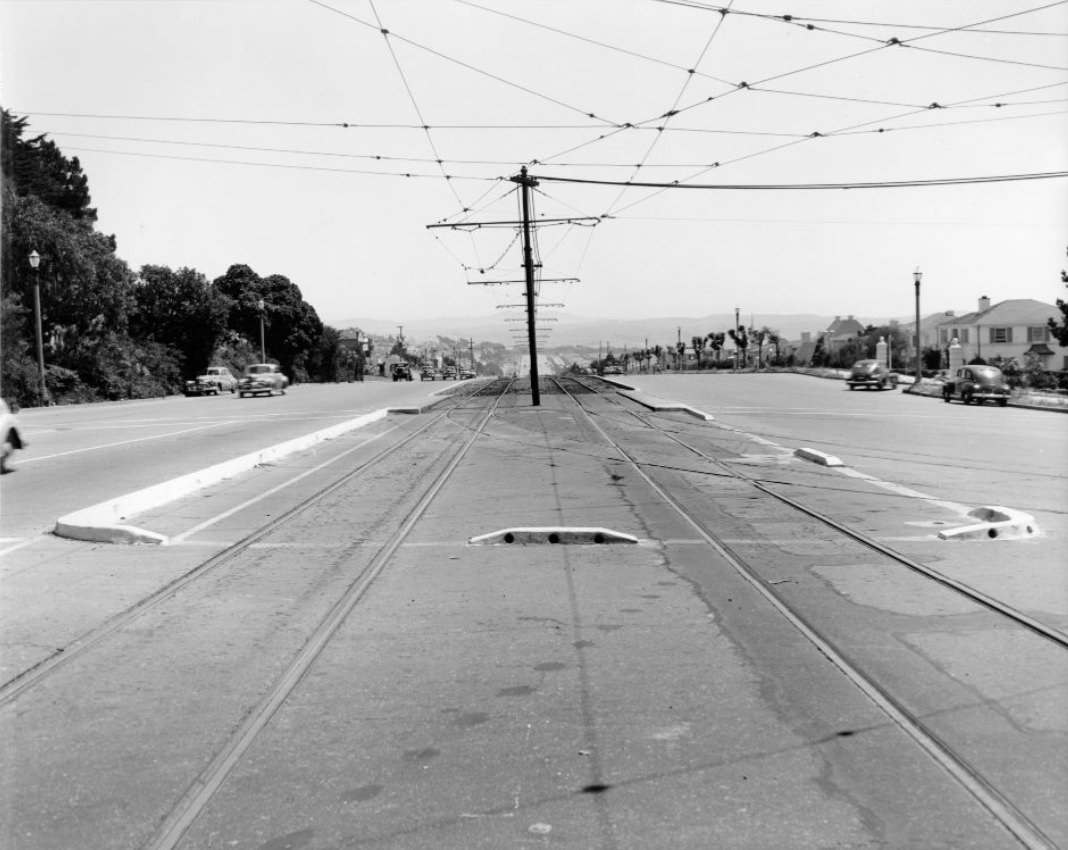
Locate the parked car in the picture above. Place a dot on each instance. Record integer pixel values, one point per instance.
(215, 380)
(401, 372)
(448, 373)
(12, 436)
(977, 383)
(466, 374)
(262, 378)
(428, 374)
(872, 375)
(612, 370)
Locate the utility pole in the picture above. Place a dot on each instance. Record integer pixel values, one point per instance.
(525, 184)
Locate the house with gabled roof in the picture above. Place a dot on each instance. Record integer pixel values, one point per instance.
(1013, 328)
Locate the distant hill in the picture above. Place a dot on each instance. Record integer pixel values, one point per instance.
(571, 331)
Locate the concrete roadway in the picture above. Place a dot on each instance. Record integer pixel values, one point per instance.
(589, 698)
(80, 455)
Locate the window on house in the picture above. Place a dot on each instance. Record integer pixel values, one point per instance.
(1038, 333)
(963, 336)
(1001, 335)
(944, 336)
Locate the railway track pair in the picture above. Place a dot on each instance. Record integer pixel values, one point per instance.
(475, 413)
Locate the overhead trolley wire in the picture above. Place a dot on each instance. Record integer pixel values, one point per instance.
(289, 166)
(469, 67)
(415, 104)
(675, 103)
(596, 43)
(884, 184)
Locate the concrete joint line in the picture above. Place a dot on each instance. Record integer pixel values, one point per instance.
(104, 522)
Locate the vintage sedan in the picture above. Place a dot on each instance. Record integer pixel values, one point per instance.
(215, 380)
(262, 378)
(872, 375)
(977, 383)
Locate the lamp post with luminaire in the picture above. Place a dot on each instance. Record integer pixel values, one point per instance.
(263, 346)
(35, 261)
(917, 277)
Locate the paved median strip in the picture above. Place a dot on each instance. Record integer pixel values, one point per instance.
(106, 522)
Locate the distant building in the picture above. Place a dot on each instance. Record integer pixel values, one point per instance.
(841, 332)
(1013, 328)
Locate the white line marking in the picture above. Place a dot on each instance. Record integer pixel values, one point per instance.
(25, 460)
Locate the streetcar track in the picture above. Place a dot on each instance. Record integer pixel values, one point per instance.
(1028, 833)
(1050, 633)
(183, 814)
(15, 687)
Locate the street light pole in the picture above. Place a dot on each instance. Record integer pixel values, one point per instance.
(917, 276)
(263, 345)
(35, 261)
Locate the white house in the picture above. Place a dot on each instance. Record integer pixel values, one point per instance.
(1013, 328)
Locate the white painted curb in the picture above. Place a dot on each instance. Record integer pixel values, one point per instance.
(819, 457)
(996, 523)
(104, 522)
(659, 404)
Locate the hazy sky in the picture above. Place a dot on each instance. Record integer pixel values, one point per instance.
(213, 132)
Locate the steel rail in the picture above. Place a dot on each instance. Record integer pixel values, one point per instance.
(13, 688)
(1000, 808)
(984, 600)
(186, 811)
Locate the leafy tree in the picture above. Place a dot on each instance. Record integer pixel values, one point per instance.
(37, 167)
(819, 353)
(180, 309)
(1060, 329)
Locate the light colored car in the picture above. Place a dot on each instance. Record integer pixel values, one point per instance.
(216, 379)
(872, 375)
(262, 378)
(428, 374)
(12, 436)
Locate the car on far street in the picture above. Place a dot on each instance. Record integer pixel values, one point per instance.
(977, 383)
(428, 373)
(466, 374)
(448, 373)
(216, 379)
(262, 378)
(12, 436)
(612, 370)
(872, 375)
(401, 372)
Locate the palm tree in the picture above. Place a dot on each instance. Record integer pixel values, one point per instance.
(741, 341)
(715, 342)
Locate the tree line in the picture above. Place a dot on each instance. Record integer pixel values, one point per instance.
(110, 332)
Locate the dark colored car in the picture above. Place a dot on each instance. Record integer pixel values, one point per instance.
(978, 384)
(872, 375)
(401, 372)
(263, 378)
(428, 373)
